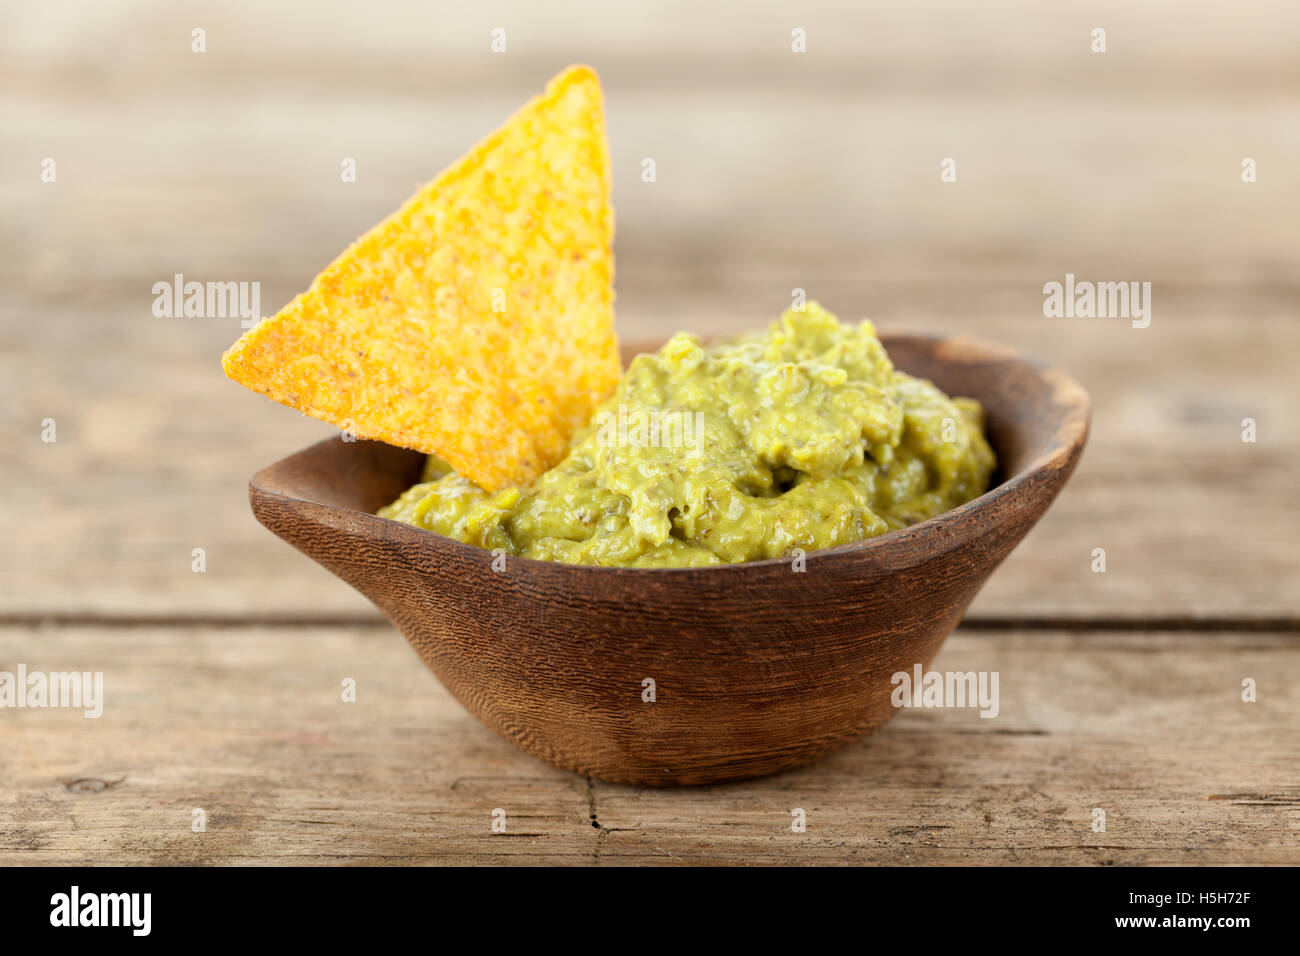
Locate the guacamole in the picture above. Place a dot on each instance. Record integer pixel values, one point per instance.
(803, 436)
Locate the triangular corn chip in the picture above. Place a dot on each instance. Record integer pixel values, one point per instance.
(476, 322)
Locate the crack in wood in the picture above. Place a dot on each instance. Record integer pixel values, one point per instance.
(91, 784)
(1258, 799)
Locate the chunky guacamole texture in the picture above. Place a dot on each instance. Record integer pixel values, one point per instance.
(803, 436)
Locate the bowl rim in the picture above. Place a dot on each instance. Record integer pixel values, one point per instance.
(1062, 451)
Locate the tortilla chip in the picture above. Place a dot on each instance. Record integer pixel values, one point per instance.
(475, 323)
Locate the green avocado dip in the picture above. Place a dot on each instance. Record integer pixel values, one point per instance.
(803, 436)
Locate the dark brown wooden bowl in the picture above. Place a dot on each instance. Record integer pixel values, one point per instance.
(757, 667)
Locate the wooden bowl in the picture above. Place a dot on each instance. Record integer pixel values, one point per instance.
(756, 667)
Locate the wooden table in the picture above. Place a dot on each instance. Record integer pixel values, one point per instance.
(1120, 691)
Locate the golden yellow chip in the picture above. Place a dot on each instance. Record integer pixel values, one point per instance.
(476, 322)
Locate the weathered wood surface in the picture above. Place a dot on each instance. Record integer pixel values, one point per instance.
(229, 160)
(155, 449)
(247, 723)
(774, 171)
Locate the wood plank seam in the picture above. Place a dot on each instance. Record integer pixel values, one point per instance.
(1274, 624)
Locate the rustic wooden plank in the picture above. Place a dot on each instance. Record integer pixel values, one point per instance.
(775, 171)
(228, 721)
(227, 163)
(668, 42)
(256, 194)
(247, 724)
(155, 447)
(1149, 728)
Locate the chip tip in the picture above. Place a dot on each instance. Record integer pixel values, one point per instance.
(576, 73)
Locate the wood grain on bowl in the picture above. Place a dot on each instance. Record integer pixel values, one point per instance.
(756, 667)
